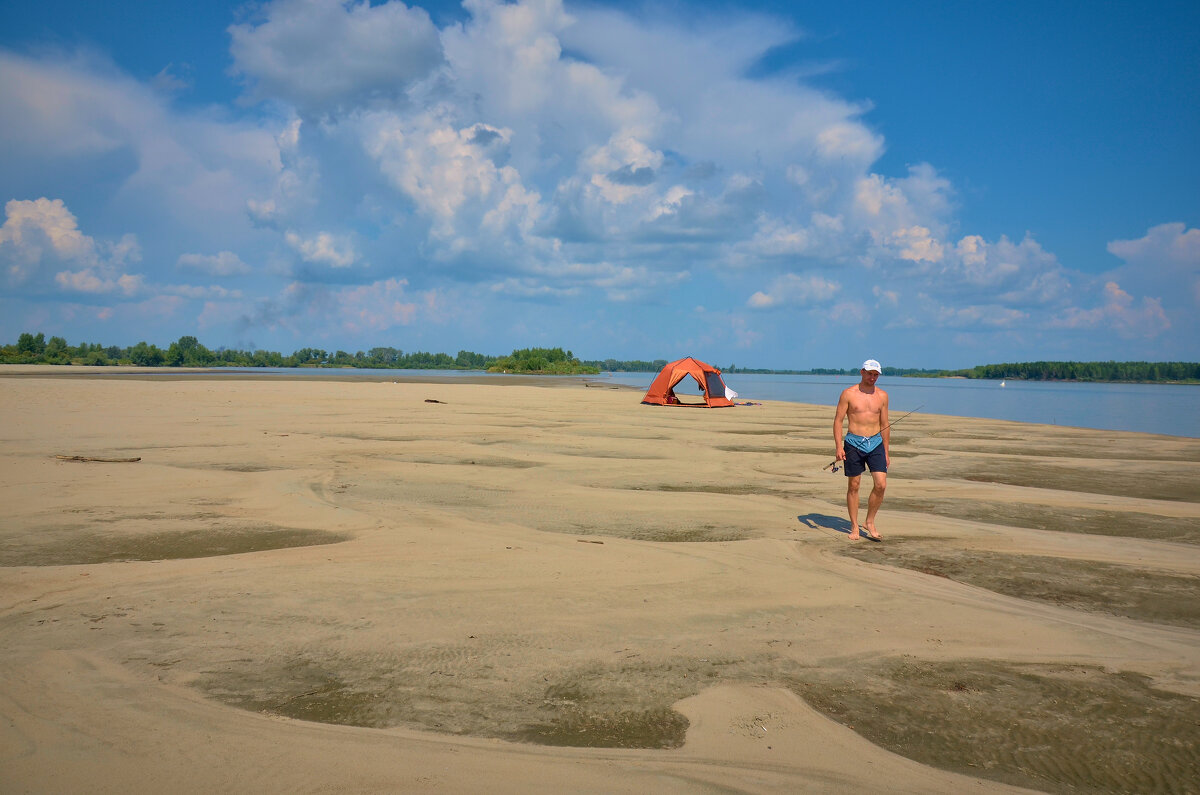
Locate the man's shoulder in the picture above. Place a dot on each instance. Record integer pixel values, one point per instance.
(849, 394)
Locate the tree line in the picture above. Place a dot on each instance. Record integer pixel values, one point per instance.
(1087, 371)
(187, 351)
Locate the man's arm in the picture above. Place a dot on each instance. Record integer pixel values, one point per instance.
(886, 432)
(839, 417)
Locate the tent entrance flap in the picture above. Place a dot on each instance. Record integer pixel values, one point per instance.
(662, 388)
(678, 376)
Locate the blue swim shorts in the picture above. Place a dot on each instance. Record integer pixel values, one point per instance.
(857, 461)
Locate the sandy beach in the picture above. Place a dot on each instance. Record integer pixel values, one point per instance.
(308, 585)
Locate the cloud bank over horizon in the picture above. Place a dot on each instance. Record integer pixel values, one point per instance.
(628, 185)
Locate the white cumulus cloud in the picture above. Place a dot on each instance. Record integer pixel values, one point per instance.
(1119, 311)
(98, 280)
(793, 289)
(449, 174)
(42, 235)
(325, 56)
(323, 248)
(1173, 244)
(39, 231)
(1165, 263)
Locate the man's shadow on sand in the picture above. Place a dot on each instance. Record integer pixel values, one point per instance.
(819, 521)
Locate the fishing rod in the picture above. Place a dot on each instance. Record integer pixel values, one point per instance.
(833, 463)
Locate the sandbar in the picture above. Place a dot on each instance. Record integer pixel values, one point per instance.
(414, 585)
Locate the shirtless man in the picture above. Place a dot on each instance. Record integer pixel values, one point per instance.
(866, 445)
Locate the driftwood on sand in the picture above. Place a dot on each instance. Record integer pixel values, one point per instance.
(100, 460)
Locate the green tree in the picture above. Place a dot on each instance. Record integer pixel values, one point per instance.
(545, 361)
(32, 344)
(469, 360)
(188, 352)
(57, 351)
(384, 357)
(144, 355)
(308, 356)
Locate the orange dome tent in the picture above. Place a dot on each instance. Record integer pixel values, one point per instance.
(662, 389)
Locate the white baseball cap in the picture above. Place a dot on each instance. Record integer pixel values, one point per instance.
(871, 364)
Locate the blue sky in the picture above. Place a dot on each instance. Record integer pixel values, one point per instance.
(766, 184)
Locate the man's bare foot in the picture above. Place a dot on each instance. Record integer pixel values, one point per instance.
(872, 533)
(854, 536)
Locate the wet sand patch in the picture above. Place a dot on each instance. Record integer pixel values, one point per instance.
(671, 533)
(1102, 477)
(650, 728)
(1175, 486)
(1127, 591)
(620, 705)
(1073, 519)
(474, 690)
(113, 517)
(1054, 728)
(438, 494)
(1057, 728)
(1132, 451)
(71, 547)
